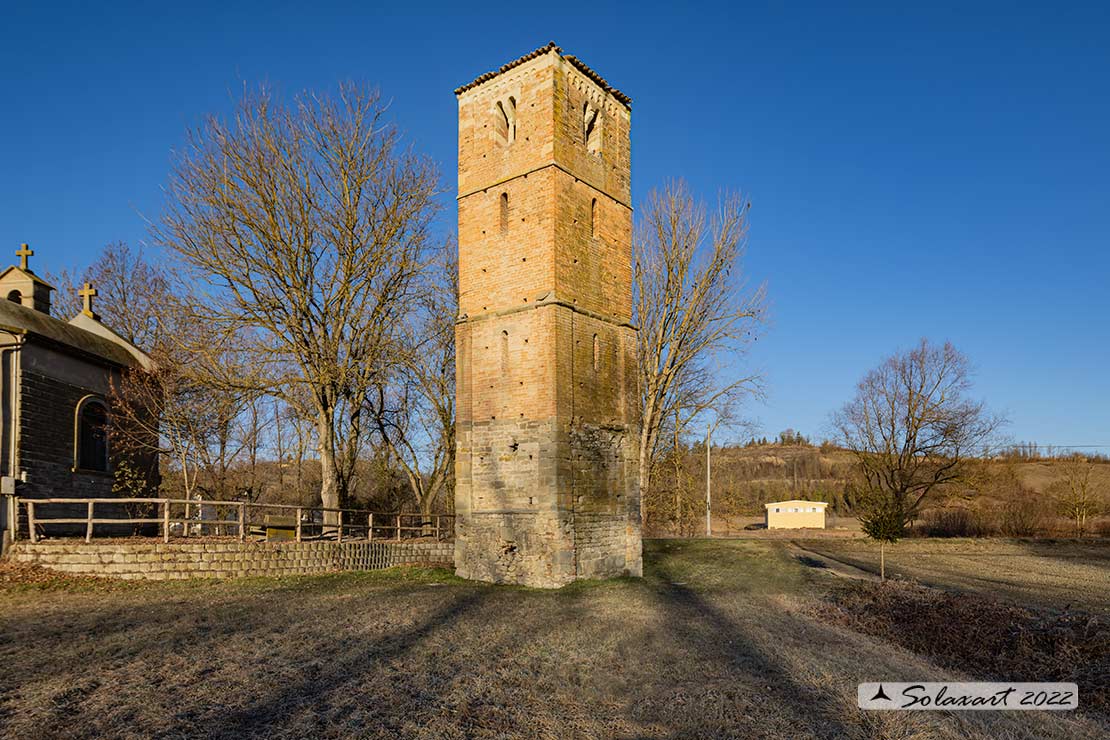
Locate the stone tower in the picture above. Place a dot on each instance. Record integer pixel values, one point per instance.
(546, 470)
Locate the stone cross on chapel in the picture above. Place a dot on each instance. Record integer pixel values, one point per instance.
(87, 294)
(23, 253)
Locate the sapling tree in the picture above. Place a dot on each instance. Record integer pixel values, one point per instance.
(884, 521)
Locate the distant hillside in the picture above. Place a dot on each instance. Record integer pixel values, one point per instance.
(745, 478)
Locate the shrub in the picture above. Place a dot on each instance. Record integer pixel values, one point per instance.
(955, 522)
(1022, 518)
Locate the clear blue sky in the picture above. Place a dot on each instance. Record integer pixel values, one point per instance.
(936, 171)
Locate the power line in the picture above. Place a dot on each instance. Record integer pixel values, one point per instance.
(1053, 444)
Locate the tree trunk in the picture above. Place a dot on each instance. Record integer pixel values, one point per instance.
(645, 469)
(647, 444)
(329, 471)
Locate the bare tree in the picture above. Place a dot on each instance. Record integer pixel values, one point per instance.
(696, 314)
(913, 429)
(306, 225)
(177, 410)
(1076, 496)
(414, 411)
(132, 292)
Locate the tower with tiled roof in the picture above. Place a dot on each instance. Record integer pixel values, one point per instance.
(546, 469)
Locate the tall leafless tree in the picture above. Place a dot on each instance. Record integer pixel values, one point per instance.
(696, 313)
(912, 427)
(306, 225)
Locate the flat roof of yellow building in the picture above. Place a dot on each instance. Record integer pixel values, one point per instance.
(796, 501)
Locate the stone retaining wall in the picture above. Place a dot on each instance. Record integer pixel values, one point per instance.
(176, 560)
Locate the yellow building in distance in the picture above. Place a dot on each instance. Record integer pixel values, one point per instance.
(796, 514)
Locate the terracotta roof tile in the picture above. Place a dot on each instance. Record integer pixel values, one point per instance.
(551, 46)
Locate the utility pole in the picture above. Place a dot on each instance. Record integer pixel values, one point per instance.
(708, 483)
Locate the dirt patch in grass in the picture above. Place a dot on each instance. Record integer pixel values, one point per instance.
(980, 637)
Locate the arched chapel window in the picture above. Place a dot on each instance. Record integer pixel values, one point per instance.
(504, 352)
(15, 296)
(92, 436)
(504, 213)
(593, 217)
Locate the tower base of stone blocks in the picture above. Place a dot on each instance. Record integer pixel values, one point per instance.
(572, 514)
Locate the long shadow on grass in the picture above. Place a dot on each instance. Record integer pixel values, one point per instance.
(170, 627)
(342, 673)
(714, 639)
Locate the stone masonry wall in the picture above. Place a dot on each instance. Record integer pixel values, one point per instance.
(546, 464)
(178, 560)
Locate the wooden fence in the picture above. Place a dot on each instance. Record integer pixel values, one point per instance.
(188, 518)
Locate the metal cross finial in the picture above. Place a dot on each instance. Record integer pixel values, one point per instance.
(23, 253)
(88, 293)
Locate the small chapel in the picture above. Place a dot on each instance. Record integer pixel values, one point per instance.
(56, 378)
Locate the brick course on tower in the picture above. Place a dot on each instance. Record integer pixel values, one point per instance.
(547, 429)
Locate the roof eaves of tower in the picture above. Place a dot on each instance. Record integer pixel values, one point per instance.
(551, 46)
(586, 70)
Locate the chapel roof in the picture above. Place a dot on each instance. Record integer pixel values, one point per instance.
(29, 274)
(22, 320)
(551, 46)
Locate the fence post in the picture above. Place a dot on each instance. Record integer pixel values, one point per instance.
(89, 524)
(436, 520)
(298, 524)
(339, 536)
(185, 526)
(242, 521)
(370, 527)
(398, 526)
(166, 520)
(31, 521)
(13, 516)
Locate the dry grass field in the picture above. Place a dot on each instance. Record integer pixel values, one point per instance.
(720, 639)
(1048, 574)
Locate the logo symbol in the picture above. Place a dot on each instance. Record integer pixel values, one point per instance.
(880, 694)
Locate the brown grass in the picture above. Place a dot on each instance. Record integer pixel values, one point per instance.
(1052, 575)
(718, 640)
(980, 636)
